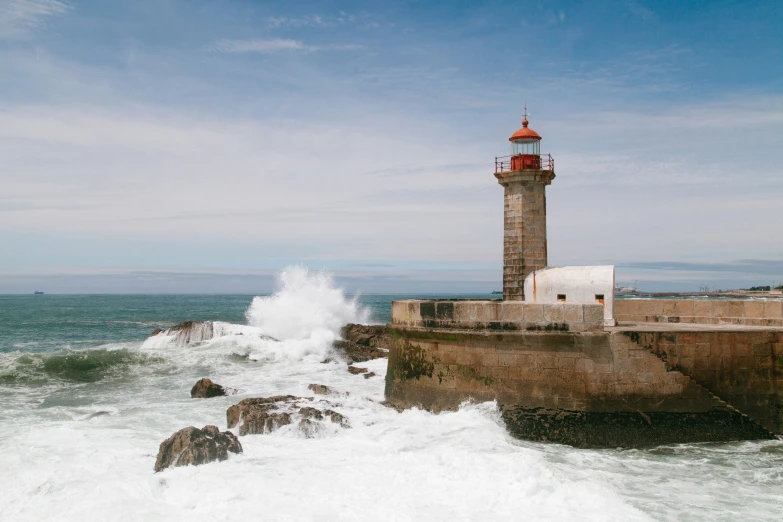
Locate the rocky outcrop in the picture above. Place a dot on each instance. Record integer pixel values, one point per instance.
(362, 342)
(366, 335)
(196, 446)
(206, 389)
(193, 332)
(260, 415)
(257, 416)
(368, 375)
(356, 371)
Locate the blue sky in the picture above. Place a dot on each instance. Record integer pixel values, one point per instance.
(202, 146)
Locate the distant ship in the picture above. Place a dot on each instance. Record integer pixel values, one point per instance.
(37, 292)
(496, 292)
(624, 289)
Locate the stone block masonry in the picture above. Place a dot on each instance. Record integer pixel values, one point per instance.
(742, 368)
(524, 228)
(695, 311)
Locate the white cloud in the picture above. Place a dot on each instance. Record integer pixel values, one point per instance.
(18, 17)
(275, 46)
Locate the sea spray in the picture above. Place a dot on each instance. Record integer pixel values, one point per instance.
(307, 311)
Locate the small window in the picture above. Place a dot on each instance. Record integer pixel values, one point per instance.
(599, 298)
(561, 297)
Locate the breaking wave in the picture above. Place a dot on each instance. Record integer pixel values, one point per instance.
(75, 366)
(301, 319)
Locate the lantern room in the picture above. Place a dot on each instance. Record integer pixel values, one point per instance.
(525, 148)
(525, 152)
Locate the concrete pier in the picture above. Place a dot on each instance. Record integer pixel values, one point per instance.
(558, 374)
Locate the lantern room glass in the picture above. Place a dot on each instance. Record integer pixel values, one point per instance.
(525, 147)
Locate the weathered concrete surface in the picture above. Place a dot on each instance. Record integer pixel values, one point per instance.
(743, 368)
(748, 312)
(589, 389)
(524, 235)
(471, 314)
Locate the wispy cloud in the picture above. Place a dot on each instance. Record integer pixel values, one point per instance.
(637, 8)
(18, 17)
(342, 18)
(275, 46)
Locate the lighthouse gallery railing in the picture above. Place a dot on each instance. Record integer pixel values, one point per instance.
(530, 161)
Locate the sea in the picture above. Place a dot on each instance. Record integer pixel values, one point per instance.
(86, 398)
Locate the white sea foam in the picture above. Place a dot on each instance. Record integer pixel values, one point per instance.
(65, 459)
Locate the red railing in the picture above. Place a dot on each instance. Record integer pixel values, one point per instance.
(524, 162)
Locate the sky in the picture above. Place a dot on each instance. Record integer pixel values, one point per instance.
(192, 146)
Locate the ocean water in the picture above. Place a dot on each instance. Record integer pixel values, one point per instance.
(86, 398)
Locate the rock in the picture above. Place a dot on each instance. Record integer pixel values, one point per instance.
(367, 335)
(356, 371)
(309, 428)
(266, 414)
(368, 375)
(353, 352)
(192, 332)
(319, 389)
(258, 416)
(205, 389)
(337, 418)
(311, 413)
(363, 342)
(196, 446)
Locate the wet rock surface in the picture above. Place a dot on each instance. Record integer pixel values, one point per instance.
(369, 374)
(193, 446)
(356, 370)
(319, 389)
(362, 343)
(628, 429)
(206, 389)
(261, 415)
(194, 332)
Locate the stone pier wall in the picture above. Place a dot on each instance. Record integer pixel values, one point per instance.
(742, 368)
(712, 311)
(592, 388)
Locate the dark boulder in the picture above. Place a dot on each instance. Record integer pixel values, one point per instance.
(196, 446)
(205, 389)
(356, 371)
(362, 342)
(376, 336)
(368, 375)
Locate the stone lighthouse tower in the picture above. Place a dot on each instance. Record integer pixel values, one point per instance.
(524, 176)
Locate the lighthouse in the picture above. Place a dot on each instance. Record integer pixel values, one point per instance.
(524, 176)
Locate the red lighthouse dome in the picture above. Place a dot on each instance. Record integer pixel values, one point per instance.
(525, 133)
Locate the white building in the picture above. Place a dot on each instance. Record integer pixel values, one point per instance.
(573, 284)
